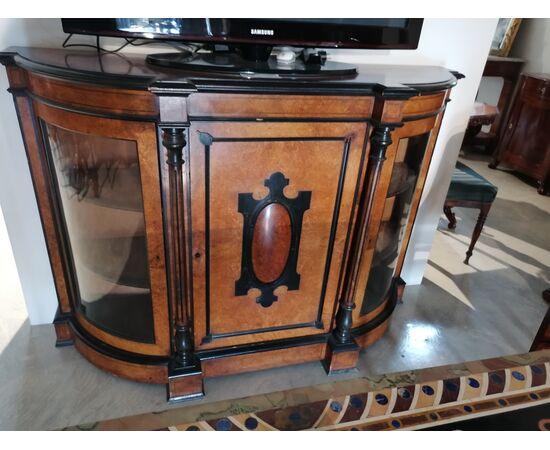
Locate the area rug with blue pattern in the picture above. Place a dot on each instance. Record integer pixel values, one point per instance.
(507, 393)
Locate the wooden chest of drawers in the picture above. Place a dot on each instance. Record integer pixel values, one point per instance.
(525, 143)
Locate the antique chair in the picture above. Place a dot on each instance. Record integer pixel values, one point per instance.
(469, 189)
(482, 114)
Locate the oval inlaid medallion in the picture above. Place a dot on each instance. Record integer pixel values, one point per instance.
(271, 240)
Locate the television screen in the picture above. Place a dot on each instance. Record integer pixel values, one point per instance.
(336, 33)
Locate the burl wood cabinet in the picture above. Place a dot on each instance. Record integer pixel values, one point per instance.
(200, 225)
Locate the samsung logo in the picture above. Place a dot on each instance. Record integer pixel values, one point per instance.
(261, 32)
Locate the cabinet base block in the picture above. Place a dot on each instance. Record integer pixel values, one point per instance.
(341, 357)
(64, 336)
(63, 332)
(184, 383)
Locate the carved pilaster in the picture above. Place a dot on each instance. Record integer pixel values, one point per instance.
(341, 339)
(185, 377)
(174, 141)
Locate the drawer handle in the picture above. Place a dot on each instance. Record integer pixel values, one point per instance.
(542, 90)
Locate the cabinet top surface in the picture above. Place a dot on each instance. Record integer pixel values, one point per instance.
(132, 72)
(539, 76)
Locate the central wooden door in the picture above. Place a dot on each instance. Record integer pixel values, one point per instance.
(271, 212)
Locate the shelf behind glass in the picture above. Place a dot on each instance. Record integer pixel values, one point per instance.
(98, 184)
(408, 161)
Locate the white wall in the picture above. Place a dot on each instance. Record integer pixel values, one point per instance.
(17, 198)
(532, 43)
(465, 48)
(459, 44)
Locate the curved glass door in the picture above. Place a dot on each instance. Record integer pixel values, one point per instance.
(99, 190)
(406, 169)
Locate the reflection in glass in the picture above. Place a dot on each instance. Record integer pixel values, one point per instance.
(406, 169)
(99, 188)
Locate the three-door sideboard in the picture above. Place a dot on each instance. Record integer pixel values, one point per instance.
(203, 225)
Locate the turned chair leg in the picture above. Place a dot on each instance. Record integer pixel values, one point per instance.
(484, 211)
(450, 217)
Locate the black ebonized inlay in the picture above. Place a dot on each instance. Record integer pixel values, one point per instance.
(250, 209)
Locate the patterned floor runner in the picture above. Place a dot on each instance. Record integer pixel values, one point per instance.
(436, 398)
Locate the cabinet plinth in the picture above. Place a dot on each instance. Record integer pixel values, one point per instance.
(204, 226)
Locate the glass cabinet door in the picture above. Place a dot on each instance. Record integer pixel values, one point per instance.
(98, 184)
(406, 169)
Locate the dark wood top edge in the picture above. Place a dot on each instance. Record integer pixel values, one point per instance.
(162, 81)
(7, 57)
(505, 59)
(83, 76)
(438, 87)
(537, 75)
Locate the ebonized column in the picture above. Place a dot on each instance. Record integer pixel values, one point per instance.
(341, 340)
(184, 364)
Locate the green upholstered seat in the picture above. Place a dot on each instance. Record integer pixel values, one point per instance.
(468, 185)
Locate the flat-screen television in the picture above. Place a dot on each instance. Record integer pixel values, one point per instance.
(320, 33)
(248, 43)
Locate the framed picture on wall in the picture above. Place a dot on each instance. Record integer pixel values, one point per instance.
(504, 36)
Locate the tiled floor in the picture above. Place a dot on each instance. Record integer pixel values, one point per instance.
(490, 308)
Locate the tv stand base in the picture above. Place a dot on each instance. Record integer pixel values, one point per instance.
(232, 64)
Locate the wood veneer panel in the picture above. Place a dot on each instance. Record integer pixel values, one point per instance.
(263, 360)
(287, 106)
(17, 77)
(94, 98)
(423, 105)
(341, 361)
(312, 157)
(138, 372)
(271, 240)
(372, 336)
